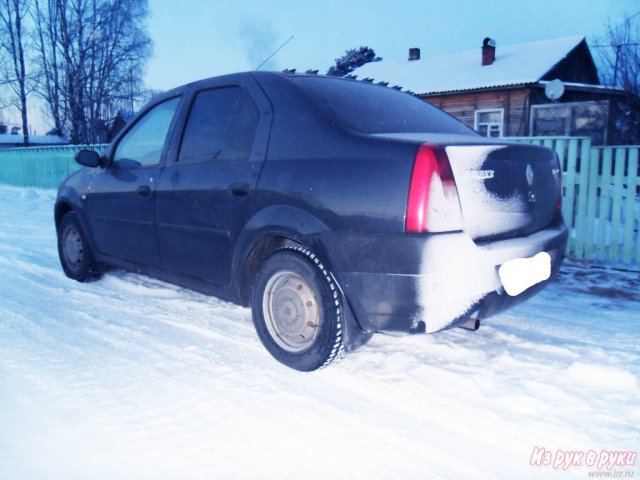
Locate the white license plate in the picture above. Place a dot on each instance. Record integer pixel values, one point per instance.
(521, 273)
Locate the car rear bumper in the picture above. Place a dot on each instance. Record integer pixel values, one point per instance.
(453, 280)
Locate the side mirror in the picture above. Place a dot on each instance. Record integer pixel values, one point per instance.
(89, 158)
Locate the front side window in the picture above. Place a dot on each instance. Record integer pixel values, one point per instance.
(143, 144)
(489, 123)
(221, 126)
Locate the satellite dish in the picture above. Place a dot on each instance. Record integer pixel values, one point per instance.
(554, 89)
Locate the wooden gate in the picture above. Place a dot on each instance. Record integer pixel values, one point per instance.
(601, 198)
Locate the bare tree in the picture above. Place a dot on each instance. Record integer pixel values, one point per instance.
(12, 43)
(92, 54)
(47, 58)
(619, 55)
(117, 56)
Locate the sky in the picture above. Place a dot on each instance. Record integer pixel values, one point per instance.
(195, 39)
(202, 38)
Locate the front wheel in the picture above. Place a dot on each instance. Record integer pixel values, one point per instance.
(74, 252)
(297, 310)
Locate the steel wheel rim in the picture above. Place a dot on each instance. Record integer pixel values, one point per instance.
(72, 248)
(291, 312)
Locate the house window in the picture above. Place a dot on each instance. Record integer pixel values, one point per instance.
(587, 119)
(489, 123)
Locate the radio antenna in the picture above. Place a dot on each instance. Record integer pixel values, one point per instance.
(277, 50)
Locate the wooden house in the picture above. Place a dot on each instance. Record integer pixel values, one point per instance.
(505, 91)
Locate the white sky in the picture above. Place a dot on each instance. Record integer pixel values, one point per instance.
(194, 39)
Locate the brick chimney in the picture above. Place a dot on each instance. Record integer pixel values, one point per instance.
(414, 54)
(488, 51)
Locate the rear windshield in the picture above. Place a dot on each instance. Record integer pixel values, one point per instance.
(376, 109)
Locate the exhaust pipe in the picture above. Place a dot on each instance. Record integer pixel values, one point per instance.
(472, 323)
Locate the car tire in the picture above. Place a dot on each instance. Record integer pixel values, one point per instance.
(297, 310)
(75, 254)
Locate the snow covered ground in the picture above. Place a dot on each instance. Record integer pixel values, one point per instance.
(132, 378)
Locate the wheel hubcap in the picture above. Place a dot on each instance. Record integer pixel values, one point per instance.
(72, 248)
(291, 312)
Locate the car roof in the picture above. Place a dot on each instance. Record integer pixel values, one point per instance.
(238, 78)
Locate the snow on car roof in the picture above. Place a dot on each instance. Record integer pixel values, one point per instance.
(514, 65)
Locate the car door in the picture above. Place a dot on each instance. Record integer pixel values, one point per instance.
(120, 199)
(206, 194)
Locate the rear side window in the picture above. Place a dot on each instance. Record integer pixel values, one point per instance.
(376, 109)
(221, 126)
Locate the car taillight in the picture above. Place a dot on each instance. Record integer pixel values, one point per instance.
(433, 205)
(559, 204)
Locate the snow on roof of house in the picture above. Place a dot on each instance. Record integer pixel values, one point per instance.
(514, 65)
(9, 139)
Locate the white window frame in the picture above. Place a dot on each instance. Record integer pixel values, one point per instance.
(500, 125)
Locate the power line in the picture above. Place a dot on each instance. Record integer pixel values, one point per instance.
(616, 45)
(634, 15)
(621, 44)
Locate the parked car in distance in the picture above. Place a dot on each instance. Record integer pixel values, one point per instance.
(334, 208)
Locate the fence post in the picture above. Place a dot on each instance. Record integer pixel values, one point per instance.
(582, 197)
(630, 210)
(616, 204)
(561, 149)
(569, 182)
(604, 204)
(592, 198)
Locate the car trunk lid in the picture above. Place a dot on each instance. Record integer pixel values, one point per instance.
(505, 190)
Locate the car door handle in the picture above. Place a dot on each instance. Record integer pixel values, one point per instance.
(239, 189)
(144, 191)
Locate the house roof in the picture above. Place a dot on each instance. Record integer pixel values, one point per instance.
(8, 139)
(519, 64)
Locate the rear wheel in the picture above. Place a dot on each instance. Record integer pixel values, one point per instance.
(74, 252)
(297, 310)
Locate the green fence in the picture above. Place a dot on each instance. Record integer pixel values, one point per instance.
(601, 198)
(601, 201)
(43, 167)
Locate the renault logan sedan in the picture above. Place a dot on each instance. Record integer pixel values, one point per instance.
(334, 208)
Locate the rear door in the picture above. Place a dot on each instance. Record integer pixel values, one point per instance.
(206, 194)
(120, 199)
